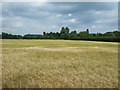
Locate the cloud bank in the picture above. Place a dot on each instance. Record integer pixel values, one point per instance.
(35, 18)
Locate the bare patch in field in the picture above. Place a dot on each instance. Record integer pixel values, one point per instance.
(104, 42)
(70, 49)
(73, 49)
(104, 49)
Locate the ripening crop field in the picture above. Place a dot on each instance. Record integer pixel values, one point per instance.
(59, 64)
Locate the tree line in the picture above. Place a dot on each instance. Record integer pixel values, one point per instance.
(67, 35)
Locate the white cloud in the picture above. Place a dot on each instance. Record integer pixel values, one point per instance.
(59, 15)
(93, 26)
(109, 20)
(18, 24)
(40, 4)
(98, 21)
(2, 18)
(73, 20)
(69, 14)
(98, 12)
(54, 26)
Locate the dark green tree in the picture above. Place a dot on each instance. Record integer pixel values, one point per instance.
(74, 32)
(44, 33)
(67, 30)
(87, 31)
(62, 30)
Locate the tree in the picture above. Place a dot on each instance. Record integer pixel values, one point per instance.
(99, 34)
(64, 34)
(74, 32)
(44, 33)
(67, 30)
(10, 36)
(109, 34)
(87, 31)
(83, 34)
(62, 30)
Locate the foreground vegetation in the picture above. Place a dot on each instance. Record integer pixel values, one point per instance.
(67, 35)
(59, 63)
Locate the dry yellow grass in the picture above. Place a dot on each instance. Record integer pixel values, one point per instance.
(59, 64)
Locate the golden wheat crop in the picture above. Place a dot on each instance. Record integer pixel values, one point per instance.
(59, 64)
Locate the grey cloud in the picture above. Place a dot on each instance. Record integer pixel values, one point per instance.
(24, 18)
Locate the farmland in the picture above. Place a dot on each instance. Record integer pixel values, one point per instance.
(59, 64)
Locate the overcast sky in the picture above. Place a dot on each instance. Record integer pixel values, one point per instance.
(35, 18)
